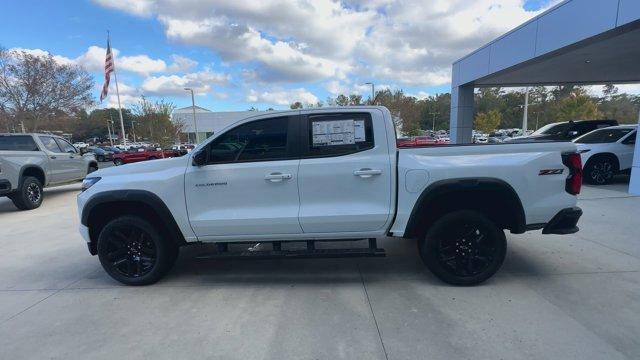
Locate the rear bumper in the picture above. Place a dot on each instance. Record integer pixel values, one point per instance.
(565, 222)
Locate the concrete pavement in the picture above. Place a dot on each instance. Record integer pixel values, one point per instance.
(556, 297)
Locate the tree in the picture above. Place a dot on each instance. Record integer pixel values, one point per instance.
(153, 122)
(577, 107)
(489, 121)
(34, 88)
(296, 105)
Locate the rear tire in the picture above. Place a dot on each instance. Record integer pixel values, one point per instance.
(29, 194)
(118, 162)
(463, 248)
(133, 252)
(151, 158)
(600, 170)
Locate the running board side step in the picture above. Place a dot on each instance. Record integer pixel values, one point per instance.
(310, 252)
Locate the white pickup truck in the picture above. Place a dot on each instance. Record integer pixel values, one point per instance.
(313, 175)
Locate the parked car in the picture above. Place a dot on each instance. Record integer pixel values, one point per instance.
(405, 142)
(183, 148)
(565, 131)
(113, 149)
(424, 140)
(80, 145)
(329, 174)
(606, 152)
(142, 154)
(100, 154)
(30, 162)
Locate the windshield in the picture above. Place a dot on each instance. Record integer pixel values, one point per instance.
(606, 135)
(552, 129)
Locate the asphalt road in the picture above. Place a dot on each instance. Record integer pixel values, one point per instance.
(556, 297)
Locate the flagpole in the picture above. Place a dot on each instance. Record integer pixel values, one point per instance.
(115, 76)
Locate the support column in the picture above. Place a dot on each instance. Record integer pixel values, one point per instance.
(461, 121)
(634, 185)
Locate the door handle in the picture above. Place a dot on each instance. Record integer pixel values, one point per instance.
(277, 177)
(71, 157)
(52, 157)
(367, 173)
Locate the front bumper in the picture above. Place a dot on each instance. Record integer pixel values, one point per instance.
(5, 186)
(565, 222)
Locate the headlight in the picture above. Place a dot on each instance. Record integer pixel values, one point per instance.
(88, 182)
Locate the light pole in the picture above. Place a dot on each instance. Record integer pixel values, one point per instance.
(133, 129)
(435, 113)
(109, 131)
(373, 92)
(526, 112)
(193, 106)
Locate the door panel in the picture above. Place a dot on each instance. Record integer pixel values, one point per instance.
(626, 152)
(58, 172)
(250, 185)
(345, 186)
(243, 198)
(72, 161)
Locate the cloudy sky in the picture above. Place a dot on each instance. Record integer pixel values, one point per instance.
(239, 54)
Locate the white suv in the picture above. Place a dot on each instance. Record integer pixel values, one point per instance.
(606, 152)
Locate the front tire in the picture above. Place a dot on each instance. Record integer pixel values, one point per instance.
(133, 252)
(29, 195)
(600, 170)
(463, 248)
(118, 162)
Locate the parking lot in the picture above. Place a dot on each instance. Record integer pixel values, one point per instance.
(556, 297)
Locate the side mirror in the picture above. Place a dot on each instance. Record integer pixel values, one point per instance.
(200, 158)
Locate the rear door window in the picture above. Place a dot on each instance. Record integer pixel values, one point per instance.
(65, 146)
(50, 144)
(18, 143)
(338, 134)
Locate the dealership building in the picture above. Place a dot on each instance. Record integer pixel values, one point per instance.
(583, 42)
(206, 121)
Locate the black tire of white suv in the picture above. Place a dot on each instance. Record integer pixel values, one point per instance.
(600, 169)
(463, 248)
(133, 251)
(29, 194)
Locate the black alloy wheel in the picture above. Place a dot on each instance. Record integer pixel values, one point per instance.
(600, 171)
(463, 248)
(29, 194)
(133, 251)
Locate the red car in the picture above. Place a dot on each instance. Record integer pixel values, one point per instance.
(417, 141)
(142, 154)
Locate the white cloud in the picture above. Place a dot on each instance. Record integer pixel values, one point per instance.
(409, 42)
(141, 64)
(281, 97)
(93, 60)
(200, 82)
(181, 64)
(43, 53)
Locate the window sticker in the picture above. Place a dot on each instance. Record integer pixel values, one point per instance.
(359, 134)
(336, 132)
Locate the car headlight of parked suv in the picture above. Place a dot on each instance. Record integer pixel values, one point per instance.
(88, 182)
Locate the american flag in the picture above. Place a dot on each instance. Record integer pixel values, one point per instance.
(108, 69)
